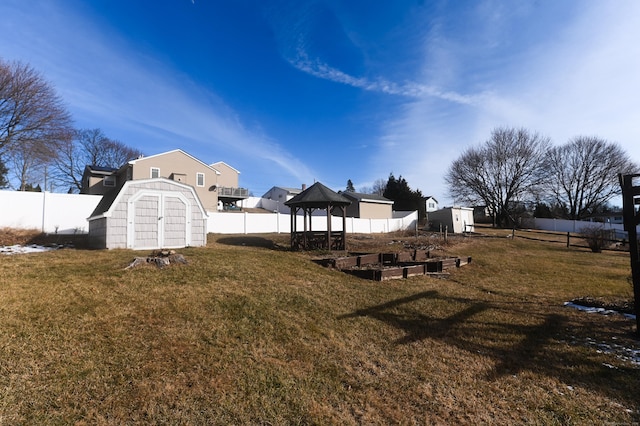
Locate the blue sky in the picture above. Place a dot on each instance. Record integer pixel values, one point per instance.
(295, 91)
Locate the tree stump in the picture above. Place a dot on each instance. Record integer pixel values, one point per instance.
(160, 258)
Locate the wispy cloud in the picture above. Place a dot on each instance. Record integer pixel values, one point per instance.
(319, 69)
(109, 83)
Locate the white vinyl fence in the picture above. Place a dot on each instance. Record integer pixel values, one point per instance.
(258, 223)
(47, 211)
(564, 225)
(67, 214)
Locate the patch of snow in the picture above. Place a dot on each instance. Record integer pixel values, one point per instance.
(32, 248)
(631, 355)
(591, 310)
(621, 352)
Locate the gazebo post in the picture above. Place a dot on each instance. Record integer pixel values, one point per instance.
(344, 227)
(304, 236)
(292, 225)
(329, 227)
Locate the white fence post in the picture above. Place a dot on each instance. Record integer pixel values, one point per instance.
(44, 209)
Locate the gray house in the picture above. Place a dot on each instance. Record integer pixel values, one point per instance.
(149, 214)
(282, 194)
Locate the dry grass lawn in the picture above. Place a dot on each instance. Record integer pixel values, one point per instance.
(251, 333)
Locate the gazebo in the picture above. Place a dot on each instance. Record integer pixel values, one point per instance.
(317, 197)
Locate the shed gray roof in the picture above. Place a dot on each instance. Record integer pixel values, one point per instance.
(110, 197)
(107, 200)
(358, 196)
(318, 196)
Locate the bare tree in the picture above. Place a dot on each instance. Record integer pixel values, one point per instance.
(502, 174)
(378, 187)
(583, 174)
(89, 147)
(33, 120)
(3, 175)
(28, 162)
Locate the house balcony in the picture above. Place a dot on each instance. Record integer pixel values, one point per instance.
(237, 193)
(229, 196)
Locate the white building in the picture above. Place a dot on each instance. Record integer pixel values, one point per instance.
(454, 219)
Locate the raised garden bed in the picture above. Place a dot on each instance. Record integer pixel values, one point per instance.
(388, 266)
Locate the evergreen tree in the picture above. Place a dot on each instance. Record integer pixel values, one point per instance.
(542, 211)
(350, 187)
(30, 188)
(404, 198)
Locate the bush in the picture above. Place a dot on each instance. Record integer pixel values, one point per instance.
(595, 236)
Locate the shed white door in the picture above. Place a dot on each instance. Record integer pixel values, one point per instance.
(174, 221)
(158, 220)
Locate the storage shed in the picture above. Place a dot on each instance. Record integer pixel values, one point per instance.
(149, 214)
(368, 206)
(455, 219)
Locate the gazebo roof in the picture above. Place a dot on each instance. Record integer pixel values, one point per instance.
(318, 196)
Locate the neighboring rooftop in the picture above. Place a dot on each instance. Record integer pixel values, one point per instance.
(318, 195)
(358, 196)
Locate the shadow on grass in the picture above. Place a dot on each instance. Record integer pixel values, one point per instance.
(416, 325)
(251, 241)
(78, 241)
(538, 346)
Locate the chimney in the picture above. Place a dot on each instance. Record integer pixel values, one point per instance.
(304, 186)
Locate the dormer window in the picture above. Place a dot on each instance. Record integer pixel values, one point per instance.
(155, 172)
(109, 181)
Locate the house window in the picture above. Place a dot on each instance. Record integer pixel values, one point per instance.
(109, 181)
(199, 179)
(155, 172)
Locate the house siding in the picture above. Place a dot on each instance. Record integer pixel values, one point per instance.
(179, 166)
(280, 195)
(375, 211)
(95, 186)
(228, 177)
(366, 207)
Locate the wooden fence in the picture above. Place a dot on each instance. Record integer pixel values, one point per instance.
(570, 239)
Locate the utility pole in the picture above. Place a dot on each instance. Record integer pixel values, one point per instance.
(630, 199)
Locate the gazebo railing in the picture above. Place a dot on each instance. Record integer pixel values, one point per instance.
(317, 240)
